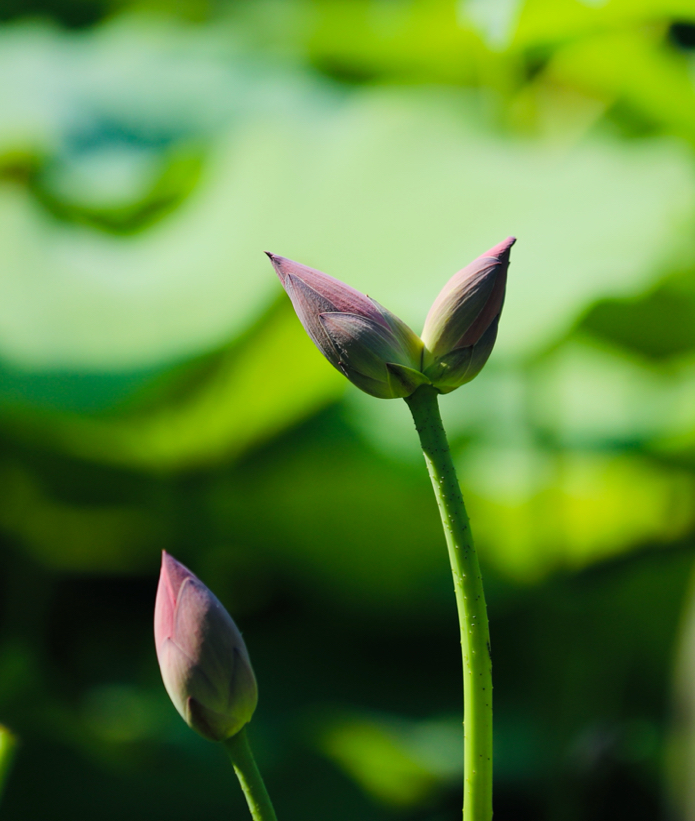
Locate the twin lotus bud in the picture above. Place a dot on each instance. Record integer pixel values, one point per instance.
(202, 656)
(378, 352)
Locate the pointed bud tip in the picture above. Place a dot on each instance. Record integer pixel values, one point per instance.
(169, 563)
(501, 248)
(172, 575)
(278, 264)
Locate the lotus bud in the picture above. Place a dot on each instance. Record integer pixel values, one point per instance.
(461, 327)
(202, 656)
(373, 348)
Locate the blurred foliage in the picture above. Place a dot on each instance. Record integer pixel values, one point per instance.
(7, 747)
(157, 392)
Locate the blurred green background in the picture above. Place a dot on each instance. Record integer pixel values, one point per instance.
(156, 391)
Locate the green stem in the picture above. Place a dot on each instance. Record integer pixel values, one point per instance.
(249, 777)
(470, 600)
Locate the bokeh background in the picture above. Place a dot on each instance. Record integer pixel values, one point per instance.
(156, 392)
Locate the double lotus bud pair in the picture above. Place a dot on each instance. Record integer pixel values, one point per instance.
(202, 656)
(378, 352)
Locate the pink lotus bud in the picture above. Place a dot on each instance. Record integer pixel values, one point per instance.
(461, 327)
(373, 348)
(202, 656)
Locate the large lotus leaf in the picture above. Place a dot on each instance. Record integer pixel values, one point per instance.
(401, 171)
(105, 112)
(391, 190)
(595, 219)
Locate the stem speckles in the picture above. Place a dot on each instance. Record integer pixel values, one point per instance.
(470, 600)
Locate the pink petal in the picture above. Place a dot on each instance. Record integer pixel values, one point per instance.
(341, 297)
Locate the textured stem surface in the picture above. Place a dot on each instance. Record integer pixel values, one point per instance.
(249, 777)
(470, 600)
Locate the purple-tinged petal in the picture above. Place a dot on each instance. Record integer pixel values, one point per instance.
(468, 303)
(366, 350)
(355, 334)
(362, 345)
(404, 338)
(341, 297)
(309, 305)
(201, 654)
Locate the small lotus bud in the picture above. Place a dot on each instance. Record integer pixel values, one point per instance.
(373, 348)
(202, 656)
(461, 327)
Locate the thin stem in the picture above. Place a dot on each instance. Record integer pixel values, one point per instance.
(470, 601)
(249, 777)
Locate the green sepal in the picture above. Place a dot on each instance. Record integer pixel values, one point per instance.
(454, 369)
(403, 380)
(449, 372)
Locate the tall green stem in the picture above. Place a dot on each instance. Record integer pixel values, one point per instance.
(249, 777)
(470, 601)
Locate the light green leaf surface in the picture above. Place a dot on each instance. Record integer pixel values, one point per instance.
(548, 21)
(535, 512)
(391, 190)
